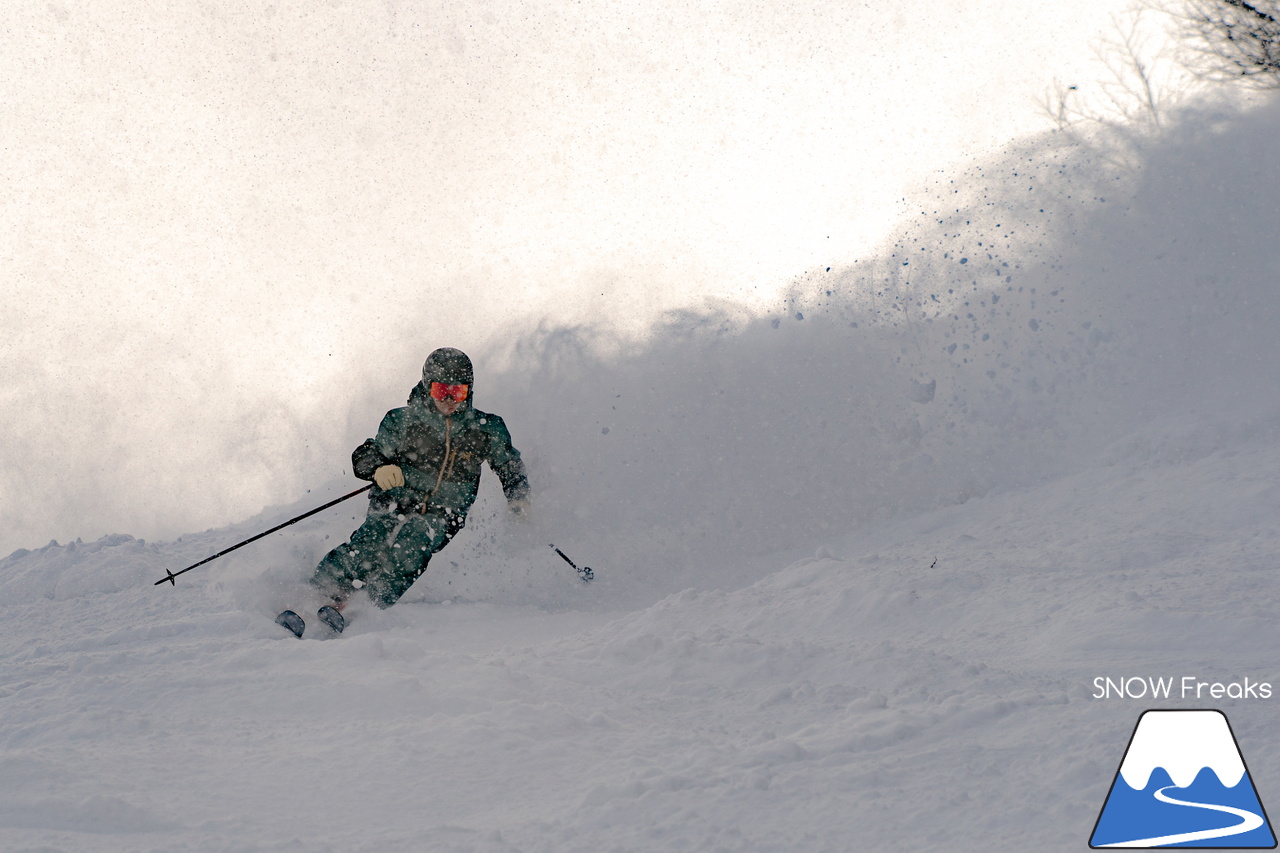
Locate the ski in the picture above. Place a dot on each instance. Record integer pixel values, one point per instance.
(293, 622)
(332, 617)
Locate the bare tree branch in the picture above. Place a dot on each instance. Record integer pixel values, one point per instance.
(1239, 40)
(1130, 105)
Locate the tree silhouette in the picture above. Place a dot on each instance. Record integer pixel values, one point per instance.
(1238, 39)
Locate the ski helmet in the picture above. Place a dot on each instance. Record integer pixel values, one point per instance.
(448, 365)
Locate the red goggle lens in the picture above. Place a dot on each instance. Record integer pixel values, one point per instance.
(444, 393)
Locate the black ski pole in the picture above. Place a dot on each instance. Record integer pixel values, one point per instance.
(585, 572)
(171, 576)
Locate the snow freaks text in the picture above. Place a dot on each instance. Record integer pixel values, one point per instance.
(1185, 687)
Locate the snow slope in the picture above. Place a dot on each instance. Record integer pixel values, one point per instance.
(829, 616)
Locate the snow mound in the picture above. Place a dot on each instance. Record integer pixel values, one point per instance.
(111, 564)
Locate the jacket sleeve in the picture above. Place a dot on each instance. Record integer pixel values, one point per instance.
(378, 451)
(366, 459)
(505, 461)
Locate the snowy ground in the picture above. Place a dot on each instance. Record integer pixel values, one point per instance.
(863, 697)
(837, 616)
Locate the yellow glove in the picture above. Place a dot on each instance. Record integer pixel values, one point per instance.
(388, 477)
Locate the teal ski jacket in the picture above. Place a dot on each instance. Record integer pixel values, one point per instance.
(440, 457)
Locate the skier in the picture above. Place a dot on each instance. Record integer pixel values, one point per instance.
(425, 467)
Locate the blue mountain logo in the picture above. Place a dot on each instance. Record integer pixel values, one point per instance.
(1183, 783)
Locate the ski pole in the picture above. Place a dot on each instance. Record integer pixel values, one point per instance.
(585, 572)
(170, 576)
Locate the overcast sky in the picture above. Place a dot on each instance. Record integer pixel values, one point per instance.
(221, 220)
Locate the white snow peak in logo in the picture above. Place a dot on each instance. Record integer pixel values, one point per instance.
(1183, 783)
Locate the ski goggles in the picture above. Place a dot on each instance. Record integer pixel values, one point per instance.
(446, 393)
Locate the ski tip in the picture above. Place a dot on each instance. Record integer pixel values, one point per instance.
(292, 622)
(332, 617)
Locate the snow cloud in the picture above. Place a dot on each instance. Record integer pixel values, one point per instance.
(229, 228)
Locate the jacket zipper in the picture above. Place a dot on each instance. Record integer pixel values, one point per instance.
(446, 466)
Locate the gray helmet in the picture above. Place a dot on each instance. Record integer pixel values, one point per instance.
(448, 365)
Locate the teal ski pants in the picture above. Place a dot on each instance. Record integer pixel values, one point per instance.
(386, 554)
